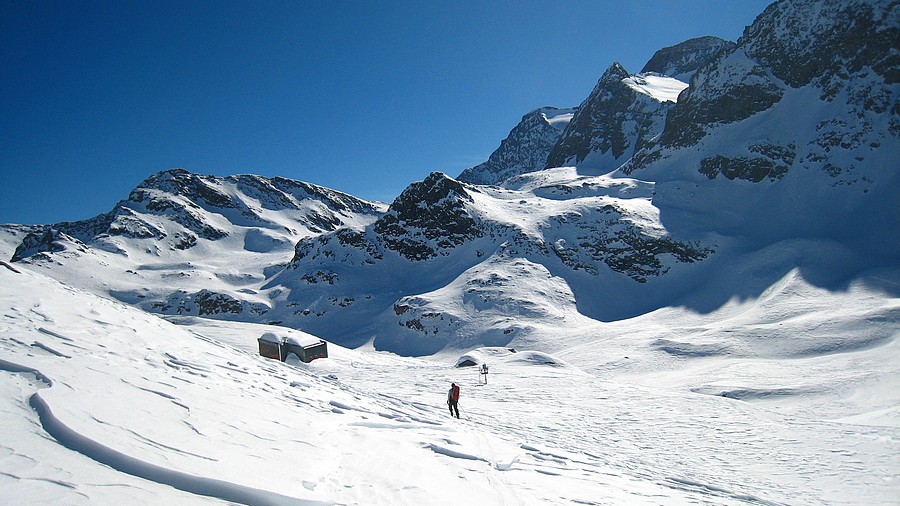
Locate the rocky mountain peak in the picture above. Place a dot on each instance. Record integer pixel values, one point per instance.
(180, 182)
(431, 191)
(806, 40)
(524, 150)
(682, 60)
(176, 209)
(836, 46)
(614, 73)
(611, 124)
(793, 128)
(429, 217)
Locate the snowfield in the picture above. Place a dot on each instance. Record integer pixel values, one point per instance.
(105, 404)
(661, 88)
(704, 309)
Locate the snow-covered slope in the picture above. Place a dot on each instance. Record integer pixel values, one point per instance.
(185, 243)
(596, 244)
(105, 404)
(705, 304)
(794, 133)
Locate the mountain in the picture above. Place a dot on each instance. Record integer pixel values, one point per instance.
(525, 149)
(443, 235)
(186, 243)
(764, 166)
(674, 226)
(682, 60)
(175, 208)
(620, 115)
(699, 306)
(624, 112)
(794, 133)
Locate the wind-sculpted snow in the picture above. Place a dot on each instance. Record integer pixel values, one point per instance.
(183, 410)
(135, 467)
(192, 409)
(16, 368)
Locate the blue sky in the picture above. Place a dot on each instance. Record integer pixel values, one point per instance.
(362, 97)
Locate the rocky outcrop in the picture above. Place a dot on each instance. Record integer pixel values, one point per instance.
(429, 218)
(610, 125)
(609, 238)
(682, 60)
(795, 127)
(524, 150)
(842, 49)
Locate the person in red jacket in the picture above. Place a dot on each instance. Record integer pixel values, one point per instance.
(453, 399)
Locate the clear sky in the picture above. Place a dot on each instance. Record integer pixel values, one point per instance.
(359, 96)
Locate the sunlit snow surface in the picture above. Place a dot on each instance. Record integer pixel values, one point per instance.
(143, 411)
(661, 88)
(559, 118)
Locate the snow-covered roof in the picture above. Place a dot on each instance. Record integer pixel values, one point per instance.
(270, 337)
(289, 336)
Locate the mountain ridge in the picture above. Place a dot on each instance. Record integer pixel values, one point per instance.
(655, 204)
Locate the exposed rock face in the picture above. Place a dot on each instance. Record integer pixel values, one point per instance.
(805, 108)
(610, 125)
(208, 303)
(524, 150)
(827, 42)
(682, 60)
(47, 241)
(734, 90)
(428, 218)
(614, 122)
(839, 48)
(608, 238)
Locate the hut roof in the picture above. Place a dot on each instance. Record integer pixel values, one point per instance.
(289, 336)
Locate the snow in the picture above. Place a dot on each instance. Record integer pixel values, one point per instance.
(767, 373)
(660, 88)
(104, 404)
(558, 118)
(290, 336)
